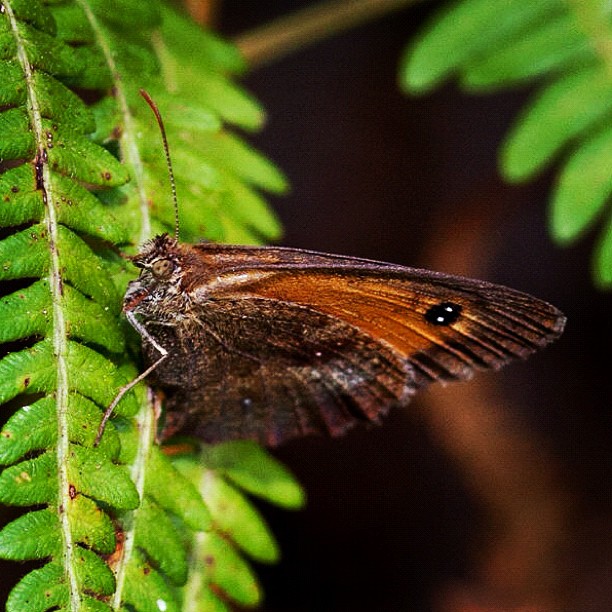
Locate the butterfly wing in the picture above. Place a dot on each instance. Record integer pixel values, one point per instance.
(270, 371)
(283, 342)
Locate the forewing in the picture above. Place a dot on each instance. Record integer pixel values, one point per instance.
(446, 327)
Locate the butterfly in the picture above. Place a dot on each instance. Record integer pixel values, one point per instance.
(273, 343)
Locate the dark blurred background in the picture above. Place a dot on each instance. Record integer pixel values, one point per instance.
(487, 495)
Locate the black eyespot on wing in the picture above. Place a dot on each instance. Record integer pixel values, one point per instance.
(445, 313)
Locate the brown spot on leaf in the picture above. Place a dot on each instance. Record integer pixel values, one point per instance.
(113, 559)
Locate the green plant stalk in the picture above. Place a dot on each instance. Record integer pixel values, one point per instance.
(60, 333)
(305, 27)
(128, 143)
(145, 425)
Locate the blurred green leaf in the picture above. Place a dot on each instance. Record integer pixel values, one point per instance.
(561, 43)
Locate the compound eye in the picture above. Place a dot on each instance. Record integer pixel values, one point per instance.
(162, 268)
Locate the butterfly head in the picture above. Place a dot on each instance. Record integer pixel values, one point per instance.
(160, 261)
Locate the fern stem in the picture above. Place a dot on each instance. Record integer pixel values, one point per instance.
(196, 581)
(129, 146)
(60, 332)
(310, 25)
(146, 420)
(146, 417)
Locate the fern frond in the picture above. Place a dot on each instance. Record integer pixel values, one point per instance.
(114, 524)
(567, 44)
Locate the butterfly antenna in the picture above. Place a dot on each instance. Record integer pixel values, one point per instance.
(162, 129)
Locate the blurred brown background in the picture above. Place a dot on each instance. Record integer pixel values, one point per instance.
(489, 495)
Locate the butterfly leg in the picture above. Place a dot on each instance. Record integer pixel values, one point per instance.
(142, 330)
